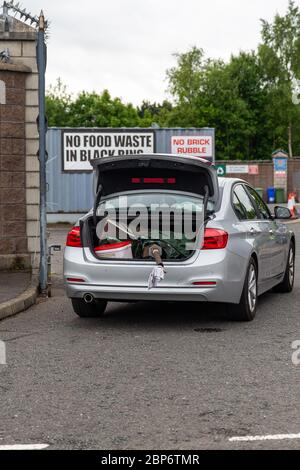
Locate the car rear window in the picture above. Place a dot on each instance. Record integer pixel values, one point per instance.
(174, 200)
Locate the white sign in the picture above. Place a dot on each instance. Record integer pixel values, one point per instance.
(78, 148)
(194, 146)
(235, 169)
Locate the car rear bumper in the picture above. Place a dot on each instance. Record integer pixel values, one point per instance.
(122, 281)
(140, 293)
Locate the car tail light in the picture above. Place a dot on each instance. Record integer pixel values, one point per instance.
(215, 239)
(73, 238)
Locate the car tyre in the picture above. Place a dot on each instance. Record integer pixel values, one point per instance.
(287, 284)
(92, 310)
(246, 310)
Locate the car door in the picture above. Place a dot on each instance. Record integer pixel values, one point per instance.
(257, 232)
(278, 233)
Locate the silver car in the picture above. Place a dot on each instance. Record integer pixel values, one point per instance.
(243, 252)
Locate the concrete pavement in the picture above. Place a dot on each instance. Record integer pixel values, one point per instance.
(17, 292)
(13, 283)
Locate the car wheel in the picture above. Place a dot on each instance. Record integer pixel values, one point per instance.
(287, 283)
(246, 309)
(89, 310)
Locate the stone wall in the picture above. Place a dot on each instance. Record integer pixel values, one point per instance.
(18, 153)
(13, 229)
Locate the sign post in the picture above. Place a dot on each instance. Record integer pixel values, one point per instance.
(41, 62)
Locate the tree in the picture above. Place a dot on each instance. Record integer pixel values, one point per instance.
(184, 85)
(93, 110)
(150, 113)
(210, 93)
(58, 102)
(88, 109)
(246, 74)
(185, 78)
(280, 57)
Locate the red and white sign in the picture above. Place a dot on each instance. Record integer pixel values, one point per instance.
(253, 170)
(194, 146)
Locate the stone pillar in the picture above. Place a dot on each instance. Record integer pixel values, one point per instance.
(13, 231)
(19, 143)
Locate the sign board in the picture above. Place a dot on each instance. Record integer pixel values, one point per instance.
(253, 169)
(237, 169)
(81, 146)
(221, 170)
(280, 165)
(280, 160)
(193, 146)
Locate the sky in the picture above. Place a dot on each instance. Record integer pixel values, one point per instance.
(126, 46)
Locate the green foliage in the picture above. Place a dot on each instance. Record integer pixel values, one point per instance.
(248, 99)
(153, 113)
(281, 41)
(88, 109)
(227, 97)
(279, 55)
(185, 79)
(58, 102)
(93, 110)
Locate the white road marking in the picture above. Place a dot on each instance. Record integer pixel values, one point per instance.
(271, 437)
(24, 447)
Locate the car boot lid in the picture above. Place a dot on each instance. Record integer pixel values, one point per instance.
(157, 172)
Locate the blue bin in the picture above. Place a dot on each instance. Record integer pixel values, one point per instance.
(271, 195)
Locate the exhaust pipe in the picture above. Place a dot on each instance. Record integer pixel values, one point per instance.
(88, 298)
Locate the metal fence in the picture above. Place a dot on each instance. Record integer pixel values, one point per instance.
(72, 192)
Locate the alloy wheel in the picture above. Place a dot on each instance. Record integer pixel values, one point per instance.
(252, 288)
(291, 266)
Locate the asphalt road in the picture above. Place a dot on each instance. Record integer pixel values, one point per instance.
(150, 376)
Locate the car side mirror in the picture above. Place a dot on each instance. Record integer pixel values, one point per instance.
(282, 213)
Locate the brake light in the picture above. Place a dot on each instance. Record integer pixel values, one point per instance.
(73, 238)
(215, 239)
(153, 180)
